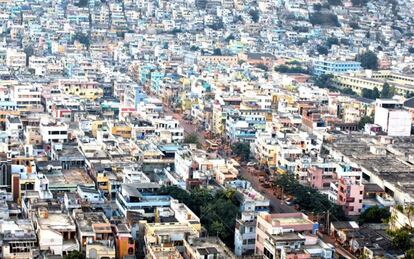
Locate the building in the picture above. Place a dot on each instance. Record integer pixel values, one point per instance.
(370, 79)
(335, 67)
(278, 233)
(393, 119)
(207, 247)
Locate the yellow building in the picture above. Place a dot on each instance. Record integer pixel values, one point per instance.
(82, 88)
(370, 79)
(121, 129)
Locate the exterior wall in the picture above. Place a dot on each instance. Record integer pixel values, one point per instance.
(394, 122)
(350, 195)
(335, 67)
(125, 246)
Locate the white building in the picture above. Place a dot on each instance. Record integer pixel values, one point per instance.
(54, 131)
(393, 119)
(15, 59)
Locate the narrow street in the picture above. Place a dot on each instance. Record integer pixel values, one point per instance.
(277, 205)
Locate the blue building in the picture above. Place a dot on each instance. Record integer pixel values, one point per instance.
(321, 67)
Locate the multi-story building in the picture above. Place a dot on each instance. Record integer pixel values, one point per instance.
(321, 67)
(251, 204)
(370, 79)
(288, 235)
(15, 59)
(351, 191)
(393, 119)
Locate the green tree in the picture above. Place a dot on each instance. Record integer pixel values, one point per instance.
(374, 214)
(369, 60)
(192, 138)
(371, 94)
(82, 38)
(29, 51)
(255, 15)
(409, 254)
(74, 255)
(365, 120)
(82, 3)
(331, 41)
(359, 2)
(242, 150)
(323, 18)
(217, 52)
(175, 192)
(322, 50)
(325, 81)
(402, 240)
(262, 67)
(307, 198)
(335, 2)
(387, 91)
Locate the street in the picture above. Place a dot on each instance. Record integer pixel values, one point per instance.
(277, 205)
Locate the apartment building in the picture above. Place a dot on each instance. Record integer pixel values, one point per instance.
(392, 117)
(321, 67)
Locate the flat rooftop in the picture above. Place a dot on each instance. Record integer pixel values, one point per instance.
(69, 177)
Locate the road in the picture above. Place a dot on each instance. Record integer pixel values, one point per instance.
(277, 205)
(187, 125)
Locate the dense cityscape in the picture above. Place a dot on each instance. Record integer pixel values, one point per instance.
(206, 129)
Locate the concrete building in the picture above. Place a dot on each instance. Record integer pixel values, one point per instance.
(335, 67)
(393, 119)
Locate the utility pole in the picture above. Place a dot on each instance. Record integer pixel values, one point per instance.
(327, 221)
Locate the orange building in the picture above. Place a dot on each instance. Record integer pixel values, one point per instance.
(125, 244)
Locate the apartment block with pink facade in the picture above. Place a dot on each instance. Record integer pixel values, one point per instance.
(350, 194)
(289, 235)
(321, 176)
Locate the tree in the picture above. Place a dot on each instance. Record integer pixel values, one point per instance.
(369, 60)
(371, 94)
(331, 41)
(192, 138)
(242, 150)
(82, 38)
(402, 240)
(374, 214)
(262, 67)
(255, 15)
(409, 254)
(74, 255)
(194, 48)
(317, 7)
(322, 50)
(307, 198)
(387, 91)
(217, 52)
(230, 37)
(335, 2)
(29, 51)
(325, 81)
(217, 211)
(359, 2)
(323, 18)
(82, 3)
(365, 120)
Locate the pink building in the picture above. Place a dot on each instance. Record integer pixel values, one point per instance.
(321, 176)
(350, 194)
